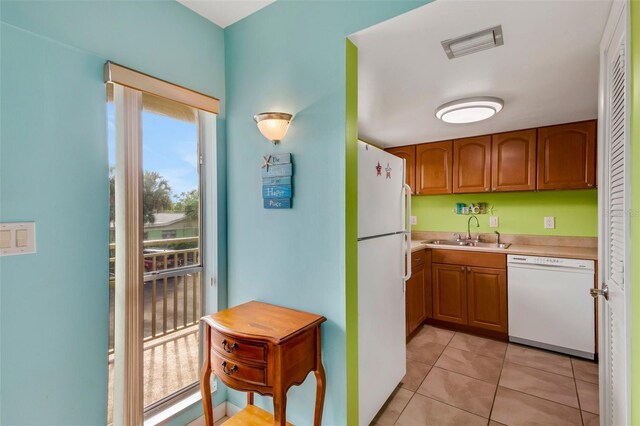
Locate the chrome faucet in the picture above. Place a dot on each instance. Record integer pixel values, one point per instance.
(469, 226)
(498, 234)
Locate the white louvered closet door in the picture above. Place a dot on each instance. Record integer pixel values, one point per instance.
(614, 311)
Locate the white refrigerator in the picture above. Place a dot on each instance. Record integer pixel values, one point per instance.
(384, 235)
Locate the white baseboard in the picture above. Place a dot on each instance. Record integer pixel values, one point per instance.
(232, 409)
(220, 411)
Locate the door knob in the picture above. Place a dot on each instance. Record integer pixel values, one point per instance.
(604, 291)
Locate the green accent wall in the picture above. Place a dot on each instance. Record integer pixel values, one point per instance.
(635, 210)
(351, 240)
(576, 212)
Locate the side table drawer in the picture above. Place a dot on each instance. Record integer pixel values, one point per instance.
(236, 349)
(226, 368)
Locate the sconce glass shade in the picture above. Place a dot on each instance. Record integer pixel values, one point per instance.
(273, 125)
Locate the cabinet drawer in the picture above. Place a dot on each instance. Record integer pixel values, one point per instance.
(236, 349)
(417, 260)
(224, 367)
(469, 258)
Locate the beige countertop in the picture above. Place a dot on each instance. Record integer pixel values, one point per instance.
(589, 253)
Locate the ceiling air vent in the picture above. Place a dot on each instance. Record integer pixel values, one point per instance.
(472, 43)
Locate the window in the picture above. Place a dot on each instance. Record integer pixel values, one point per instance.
(170, 234)
(156, 191)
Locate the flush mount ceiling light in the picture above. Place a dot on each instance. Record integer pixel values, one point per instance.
(469, 110)
(273, 125)
(472, 43)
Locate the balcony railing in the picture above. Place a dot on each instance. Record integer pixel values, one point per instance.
(171, 288)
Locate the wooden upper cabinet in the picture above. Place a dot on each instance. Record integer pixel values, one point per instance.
(472, 165)
(513, 161)
(409, 154)
(567, 156)
(434, 168)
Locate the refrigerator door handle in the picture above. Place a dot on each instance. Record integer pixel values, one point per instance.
(407, 233)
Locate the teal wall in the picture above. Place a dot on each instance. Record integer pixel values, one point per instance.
(576, 212)
(290, 56)
(54, 171)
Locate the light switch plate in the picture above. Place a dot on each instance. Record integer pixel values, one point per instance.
(414, 220)
(549, 222)
(493, 221)
(22, 238)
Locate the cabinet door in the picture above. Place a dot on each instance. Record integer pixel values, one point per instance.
(567, 156)
(487, 298)
(428, 285)
(415, 301)
(449, 293)
(433, 168)
(472, 164)
(409, 154)
(513, 161)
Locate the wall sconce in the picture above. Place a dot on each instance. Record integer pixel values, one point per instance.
(273, 125)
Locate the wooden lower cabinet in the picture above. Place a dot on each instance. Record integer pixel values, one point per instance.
(418, 295)
(414, 294)
(468, 293)
(428, 285)
(487, 298)
(449, 293)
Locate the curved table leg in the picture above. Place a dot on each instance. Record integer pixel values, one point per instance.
(205, 380)
(321, 382)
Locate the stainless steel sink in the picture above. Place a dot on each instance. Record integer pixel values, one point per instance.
(447, 242)
(456, 243)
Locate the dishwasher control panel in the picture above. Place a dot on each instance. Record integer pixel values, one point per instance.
(550, 261)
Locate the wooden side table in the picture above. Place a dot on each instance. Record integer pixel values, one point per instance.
(263, 348)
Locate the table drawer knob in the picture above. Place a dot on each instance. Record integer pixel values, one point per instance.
(230, 348)
(230, 371)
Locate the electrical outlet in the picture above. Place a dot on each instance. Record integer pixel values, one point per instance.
(414, 220)
(549, 222)
(493, 221)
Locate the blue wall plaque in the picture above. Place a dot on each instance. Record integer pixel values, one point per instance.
(277, 189)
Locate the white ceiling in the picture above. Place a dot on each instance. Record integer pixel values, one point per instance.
(225, 12)
(546, 72)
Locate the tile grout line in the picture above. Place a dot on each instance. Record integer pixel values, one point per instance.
(543, 399)
(452, 406)
(404, 408)
(495, 394)
(575, 384)
(455, 372)
(497, 385)
(544, 371)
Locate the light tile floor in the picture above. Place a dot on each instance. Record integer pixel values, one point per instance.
(459, 379)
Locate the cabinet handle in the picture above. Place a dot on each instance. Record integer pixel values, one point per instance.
(233, 347)
(230, 371)
(462, 268)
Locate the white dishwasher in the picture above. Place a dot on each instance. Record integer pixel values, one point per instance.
(549, 304)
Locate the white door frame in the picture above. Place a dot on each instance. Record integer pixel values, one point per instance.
(619, 14)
